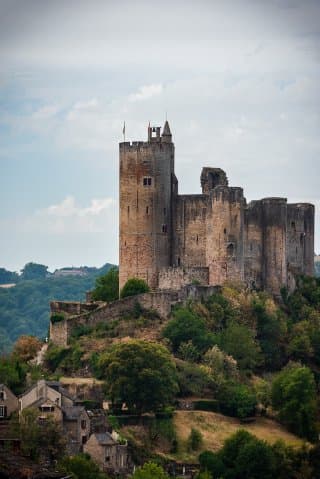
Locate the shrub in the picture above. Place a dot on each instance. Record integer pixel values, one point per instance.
(237, 400)
(57, 317)
(107, 286)
(195, 440)
(133, 287)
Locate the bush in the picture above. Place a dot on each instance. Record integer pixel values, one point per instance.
(195, 440)
(237, 400)
(133, 287)
(211, 405)
(54, 356)
(57, 317)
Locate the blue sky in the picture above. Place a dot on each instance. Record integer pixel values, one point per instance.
(239, 81)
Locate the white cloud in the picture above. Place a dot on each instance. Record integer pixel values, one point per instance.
(66, 217)
(147, 91)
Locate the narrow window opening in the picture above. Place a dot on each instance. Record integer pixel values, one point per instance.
(147, 210)
(164, 211)
(197, 239)
(178, 261)
(225, 231)
(164, 228)
(128, 209)
(147, 181)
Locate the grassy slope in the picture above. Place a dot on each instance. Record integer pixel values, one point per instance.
(216, 428)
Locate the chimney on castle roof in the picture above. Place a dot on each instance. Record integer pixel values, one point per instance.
(166, 133)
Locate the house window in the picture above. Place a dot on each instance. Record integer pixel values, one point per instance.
(83, 424)
(164, 211)
(2, 398)
(3, 411)
(147, 181)
(46, 408)
(107, 459)
(164, 228)
(84, 439)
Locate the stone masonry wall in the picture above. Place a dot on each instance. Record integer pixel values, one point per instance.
(160, 301)
(177, 278)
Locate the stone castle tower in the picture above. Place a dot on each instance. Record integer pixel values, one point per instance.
(171, 240)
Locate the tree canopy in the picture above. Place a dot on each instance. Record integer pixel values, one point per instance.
(34, 271)
(107, 286)
(294, 396)
(139, 373)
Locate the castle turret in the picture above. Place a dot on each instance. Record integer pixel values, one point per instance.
(146, 176)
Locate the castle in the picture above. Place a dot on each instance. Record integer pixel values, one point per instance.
(185, 246)
(171, 240)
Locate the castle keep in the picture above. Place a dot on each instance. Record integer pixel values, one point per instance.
(171, 240)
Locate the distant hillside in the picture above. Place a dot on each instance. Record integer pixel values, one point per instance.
(24, 308)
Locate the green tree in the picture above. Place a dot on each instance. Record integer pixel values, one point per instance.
(236, 400)
(7, 277)
(34, 271)
(242, 456)
(139, 373)
(107, 286)
(81, 466)
(133, 287)
(238, 341)
(186, 327)
(45, 439)
(12, 373)
(150, 471)
(293, 394)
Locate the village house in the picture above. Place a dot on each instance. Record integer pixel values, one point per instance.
(8, 402)
(52, 400)
(106, 450)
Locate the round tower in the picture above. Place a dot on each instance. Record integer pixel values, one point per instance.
(145, 220)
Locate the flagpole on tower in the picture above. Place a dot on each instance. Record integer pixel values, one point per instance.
(124, 131)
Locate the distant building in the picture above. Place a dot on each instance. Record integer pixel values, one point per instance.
(171, 240)
(70, 272)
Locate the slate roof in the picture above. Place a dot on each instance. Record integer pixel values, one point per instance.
(72, 413)
(104, 438)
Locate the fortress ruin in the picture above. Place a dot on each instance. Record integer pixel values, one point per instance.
(171, 240)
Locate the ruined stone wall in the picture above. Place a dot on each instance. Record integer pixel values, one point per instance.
(253, 244)
(224, 231)
(177, 278)
(146, 172)
(190, 231)
(160, 301)
(274, 256)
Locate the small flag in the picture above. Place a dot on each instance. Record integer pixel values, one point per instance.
(124, 128)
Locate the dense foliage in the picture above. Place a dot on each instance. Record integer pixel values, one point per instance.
(294, 396)
(107, 286)
(133, 287)
(24, 308)
(150, 471)
(245, 456)
(81, 466)
(139, 373)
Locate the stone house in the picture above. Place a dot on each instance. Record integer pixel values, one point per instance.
(8, 402)
(52, 400)
(45, 390)
(76, 426)
(107, 452)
